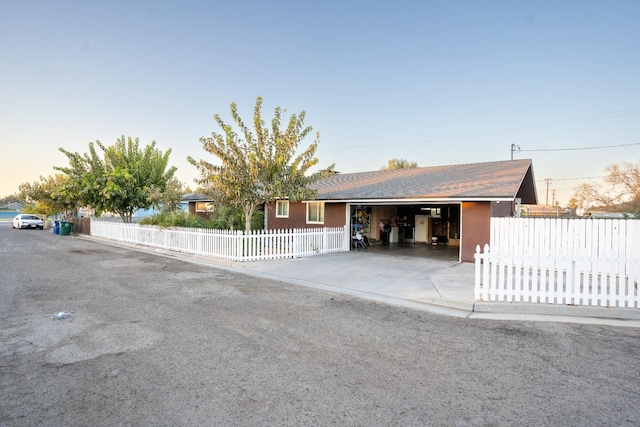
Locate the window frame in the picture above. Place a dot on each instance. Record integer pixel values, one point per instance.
(208, 206)
(320, 210)
(283, 203)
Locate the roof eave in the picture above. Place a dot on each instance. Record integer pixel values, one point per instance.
(425, 200)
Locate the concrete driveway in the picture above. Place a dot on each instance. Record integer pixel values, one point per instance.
(425, 278)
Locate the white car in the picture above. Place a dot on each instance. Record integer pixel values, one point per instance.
(27, 221)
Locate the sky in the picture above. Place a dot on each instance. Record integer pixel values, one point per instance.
(435, 82)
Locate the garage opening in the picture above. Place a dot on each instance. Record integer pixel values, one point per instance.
(412, 230)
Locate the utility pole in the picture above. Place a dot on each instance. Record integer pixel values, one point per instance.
(514, 147)
(548, 181)
(553, 197)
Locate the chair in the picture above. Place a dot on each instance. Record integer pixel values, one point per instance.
(358, 240)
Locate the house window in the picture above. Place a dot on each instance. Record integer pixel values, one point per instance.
(315, 213)
(204, 207)
(282, 209)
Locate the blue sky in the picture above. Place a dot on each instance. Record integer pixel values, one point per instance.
(436, 82)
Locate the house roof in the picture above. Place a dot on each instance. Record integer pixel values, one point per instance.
(13, 205)
(500, 180)
(195, 197)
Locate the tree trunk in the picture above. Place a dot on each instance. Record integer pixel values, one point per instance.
(247, 219)
(248, 214)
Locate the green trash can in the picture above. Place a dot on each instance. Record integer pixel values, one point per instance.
(67, 228)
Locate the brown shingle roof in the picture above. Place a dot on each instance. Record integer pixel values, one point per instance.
(490, 180)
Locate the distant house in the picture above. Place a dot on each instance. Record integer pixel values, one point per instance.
(441, 204)
(142, 213)
(546, 211)
(14, 206)
(197, 204)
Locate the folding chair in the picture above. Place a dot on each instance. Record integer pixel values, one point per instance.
(358, 240)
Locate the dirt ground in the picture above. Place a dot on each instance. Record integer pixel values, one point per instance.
(155, 340)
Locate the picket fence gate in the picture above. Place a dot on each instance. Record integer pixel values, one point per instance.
(232, 245)
(560, 261)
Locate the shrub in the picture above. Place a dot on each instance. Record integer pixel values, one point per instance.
(220, 219)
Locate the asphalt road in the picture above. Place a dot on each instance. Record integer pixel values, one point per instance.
(153, 340)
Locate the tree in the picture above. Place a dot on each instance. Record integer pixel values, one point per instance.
(394, 164)
(324, 173)
(52, 195)
(168, 200)
(620, 191)
(232, 218)
(122, 180)
(257, 168)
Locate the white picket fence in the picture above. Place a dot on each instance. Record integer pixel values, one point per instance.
(560, 261)
(233, 245)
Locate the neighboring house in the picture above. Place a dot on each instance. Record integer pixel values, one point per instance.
(435, 205)
(142, 213)
(546, 211)
(192, 203)
(197, 204)
(13, 206)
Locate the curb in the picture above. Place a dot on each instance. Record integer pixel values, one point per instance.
(556, 310)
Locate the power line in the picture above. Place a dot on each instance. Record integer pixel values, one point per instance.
(557, 123)
(583, 148)
(571, 179)
(584, 177)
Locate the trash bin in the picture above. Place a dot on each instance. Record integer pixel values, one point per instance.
(66, 228)
(56, 227)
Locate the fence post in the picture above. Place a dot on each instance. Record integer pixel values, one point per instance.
(476, 287)
(238, 256)
(296, 242)
(325, 244)
(571, 281)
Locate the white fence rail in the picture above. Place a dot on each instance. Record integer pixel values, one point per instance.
(560, 261)
(233, 245)
(561, 237)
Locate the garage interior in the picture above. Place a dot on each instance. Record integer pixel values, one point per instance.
(421, 230)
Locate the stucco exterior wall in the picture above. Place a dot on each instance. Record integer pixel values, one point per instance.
(501, 209)
(475, 228)
(334, 216)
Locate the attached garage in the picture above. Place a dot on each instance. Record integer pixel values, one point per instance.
(450, 205)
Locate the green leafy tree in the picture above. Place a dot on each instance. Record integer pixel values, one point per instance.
(620, 191)
(399, 164)
(53, 195)
(168, 200)
(324, 173)
(257, 167)
(122, 179)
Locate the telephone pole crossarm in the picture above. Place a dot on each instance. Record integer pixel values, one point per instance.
(514, 148)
